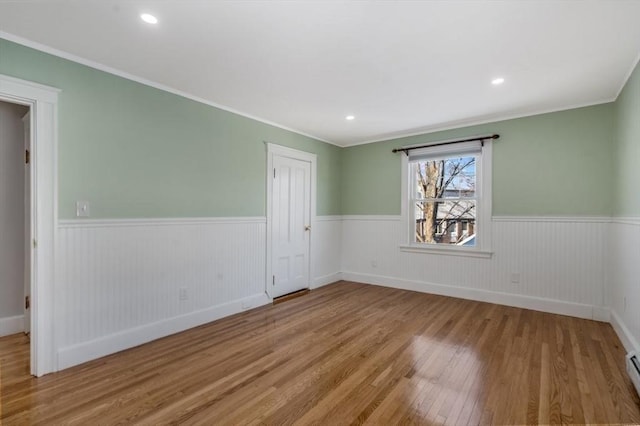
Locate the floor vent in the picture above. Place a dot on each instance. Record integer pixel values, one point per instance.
(633, 368)
(290, 296)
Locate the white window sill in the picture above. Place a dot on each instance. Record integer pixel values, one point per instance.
(446, 251)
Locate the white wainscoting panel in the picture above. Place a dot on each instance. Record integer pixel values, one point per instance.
(326, 250)
(560, 262)
(623, 284)
(119, 282)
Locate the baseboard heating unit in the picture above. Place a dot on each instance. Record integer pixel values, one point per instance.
(633, 369)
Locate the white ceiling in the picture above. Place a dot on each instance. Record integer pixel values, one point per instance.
(399, 67)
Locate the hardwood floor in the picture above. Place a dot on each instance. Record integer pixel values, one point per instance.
(344, 354)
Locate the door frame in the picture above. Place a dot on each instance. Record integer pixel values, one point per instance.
(283, 151)
(43, 105)
(27, 264)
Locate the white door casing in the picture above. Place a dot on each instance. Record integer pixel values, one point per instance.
(28, 246)
(290, 219)
(43, 103)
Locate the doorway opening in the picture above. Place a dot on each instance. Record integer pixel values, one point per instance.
(15, 226)
(42, 104)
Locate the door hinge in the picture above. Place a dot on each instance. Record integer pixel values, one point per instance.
(27, 302)
(35, 243)
(27, 156)
(274, 173)
(274, 280)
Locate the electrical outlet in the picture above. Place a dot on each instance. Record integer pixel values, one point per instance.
(374, 264)
(515, 277)
(184, 295)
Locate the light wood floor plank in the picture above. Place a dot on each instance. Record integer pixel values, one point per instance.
(344, 354)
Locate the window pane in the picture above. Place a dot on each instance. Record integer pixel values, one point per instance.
(459, 178)
(446, 178)
(446, 222)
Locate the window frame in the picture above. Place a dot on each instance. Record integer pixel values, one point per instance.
(483, 207)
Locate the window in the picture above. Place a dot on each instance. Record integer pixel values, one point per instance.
(447, 201)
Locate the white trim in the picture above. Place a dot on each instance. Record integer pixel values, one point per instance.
(326, 280)
(626, 337)
(111, 223)
(634, 221)
(405, 184)
(485, 175)
(446, 250)
(86, 351)
(285, 151)
(331, 218)
(43, 103)
(453, 125)
(602, 313)
(27, 89)
(11, 325)
(572, 219)
(628, 76)
(104, 68)
(373, 217)
(578, 310)
(280, 150)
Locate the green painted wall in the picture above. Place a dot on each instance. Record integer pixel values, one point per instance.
(550, 164)
(627, 150)
(134, 151)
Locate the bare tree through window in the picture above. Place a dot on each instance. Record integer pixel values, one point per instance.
(445, 191)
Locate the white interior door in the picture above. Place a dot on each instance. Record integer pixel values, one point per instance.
(27, 222)
(291, 225)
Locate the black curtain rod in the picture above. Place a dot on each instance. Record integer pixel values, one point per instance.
(478, 138)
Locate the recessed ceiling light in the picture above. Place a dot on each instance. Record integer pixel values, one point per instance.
(149, 19)
(497, 81)
(350, 117)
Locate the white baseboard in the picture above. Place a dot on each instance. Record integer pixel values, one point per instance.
(86, 351)
(11, 325)
(602, 314)
(519, 301)
(628, 341)
(325, 280)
